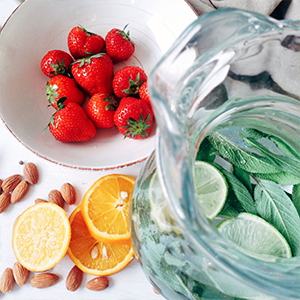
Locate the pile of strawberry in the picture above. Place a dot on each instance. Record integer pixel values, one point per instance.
(119, 99)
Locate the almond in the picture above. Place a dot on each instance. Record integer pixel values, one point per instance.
(68, 193)
(7, 281)
(38, 200)
(44, 280)
(20, 274)
(74, 279)
(98, 283)
(56, 197)
(4, 201)
(1, 185)
(19, 192)
(31, 173)
(11, 182)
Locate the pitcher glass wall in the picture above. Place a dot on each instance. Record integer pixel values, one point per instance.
(226, 98)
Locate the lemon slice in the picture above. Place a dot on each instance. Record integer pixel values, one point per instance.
(41, 236)
(255, 237)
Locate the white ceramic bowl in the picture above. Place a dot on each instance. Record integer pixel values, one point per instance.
(38, 26)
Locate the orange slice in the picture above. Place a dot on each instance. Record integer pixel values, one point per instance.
(105, 207)
(93, 256)
(41, 236)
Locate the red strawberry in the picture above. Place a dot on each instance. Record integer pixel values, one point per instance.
(118, 45)
(134, 118)
(101, 110)
(71, 124)
(94, 74)
(63, 86)
(82, 43)
(56, 62)
(128, 81)
(144, 93)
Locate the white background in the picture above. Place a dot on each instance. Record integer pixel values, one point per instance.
(129, 284)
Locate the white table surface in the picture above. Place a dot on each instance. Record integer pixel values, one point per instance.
(128, 284)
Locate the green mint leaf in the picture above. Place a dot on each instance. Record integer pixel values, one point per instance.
(240, 157)
(163, 271)
(206, 151)
(241, 192)
(296, 197)
(243, 176)
(282, 178)
(283, 163)
(276, 207)
(228, 211)
(211, 293)
(174, 261)
(284, 147)
(254, 133)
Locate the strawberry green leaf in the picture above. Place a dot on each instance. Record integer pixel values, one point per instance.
(51, 93)
(134, 86)
(59, 68)
(60, 105)
(135, 128)
(112, 103)
(87, 60)
(88, 33)
(126, 35)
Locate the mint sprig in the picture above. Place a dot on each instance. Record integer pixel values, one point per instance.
(240, 157)
(283, 163)
(277, 208)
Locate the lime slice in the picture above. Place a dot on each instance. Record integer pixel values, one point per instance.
(255, 237)
(159, 209)
(211, 188)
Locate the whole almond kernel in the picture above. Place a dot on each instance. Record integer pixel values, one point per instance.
(20, 274)
(74, 279)
(11, 182)
(7, 281)
(98, 283)
(68, 193)
(1, 185)
(4, 201)
(38, 200)
(55, 196)
(31, 173)
(19, 192)
(44, 280)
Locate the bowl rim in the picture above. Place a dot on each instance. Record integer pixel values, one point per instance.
(107, 168)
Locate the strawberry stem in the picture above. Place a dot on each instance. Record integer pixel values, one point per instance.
(126, 35)
(88, 33)
(60, 105)
(112, 103)
(58, 69)
(135, 128)
(87, 60)
(134, 86)
(51, 93)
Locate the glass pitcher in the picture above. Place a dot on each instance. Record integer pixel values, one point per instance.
(225, 95)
